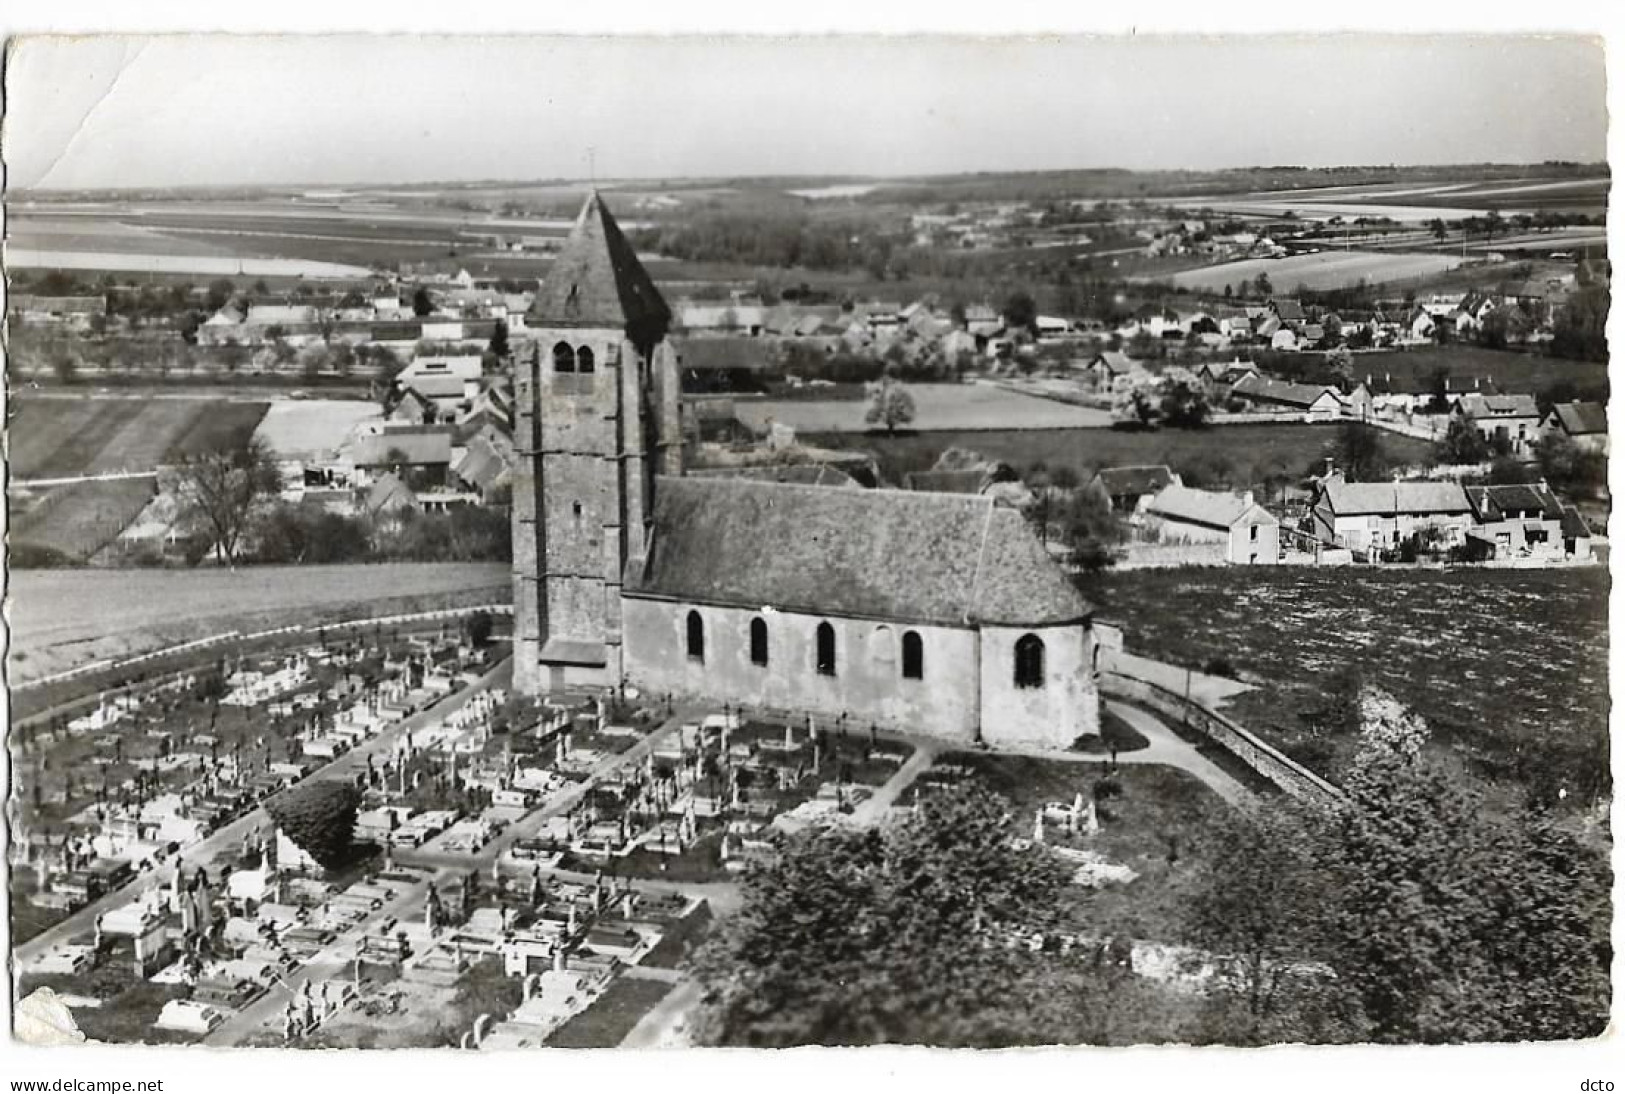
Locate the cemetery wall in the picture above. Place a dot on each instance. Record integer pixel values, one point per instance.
(1053, 716)
(868, 685)
(1286, 773)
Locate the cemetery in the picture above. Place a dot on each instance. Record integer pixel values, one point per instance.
(156, 768)
(718, 792)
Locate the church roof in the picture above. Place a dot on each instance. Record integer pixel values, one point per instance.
(597, 280)
(943, 559)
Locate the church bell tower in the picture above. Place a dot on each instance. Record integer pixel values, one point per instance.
(595, 420)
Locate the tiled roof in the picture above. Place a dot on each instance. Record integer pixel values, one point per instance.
(417, 448)
(1204, 507)
(1582, 418)
(967, 480)
(1477, 405)
(1394, 498)
(1574, 525)
(1134, 480)
(597, 281)
(806, 474)
(1277, 391)
(1493, 503)
(436, 387)
(734, 354)
(390, 493)
(928, 558)
(484, 464)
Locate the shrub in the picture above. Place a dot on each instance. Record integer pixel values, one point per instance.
(1220, 666)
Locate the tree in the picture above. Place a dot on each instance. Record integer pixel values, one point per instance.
(1021, 311)
(893, 935)
(1436, 226)
(499, 341)
(1359, 452)
(1452, 922)
(1462, 444)
(219, 488)
(890, 405)
(478, 629)
(1184, 407)
(319, 817)
(1568, 467)
(1262, 284)
(422, 302)
(221, 290)
(1259, 901)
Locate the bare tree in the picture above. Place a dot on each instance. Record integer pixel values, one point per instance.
(220, 487)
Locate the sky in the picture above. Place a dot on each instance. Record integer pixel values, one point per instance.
(90, 112)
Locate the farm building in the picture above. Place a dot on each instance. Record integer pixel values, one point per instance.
(1121, 488)
(939, 613)
(1586, 424)
(1238, 528)
(1513, 420)
(1315, 402)
(1369, 515)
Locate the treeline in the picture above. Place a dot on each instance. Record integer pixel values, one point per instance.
(778, 240)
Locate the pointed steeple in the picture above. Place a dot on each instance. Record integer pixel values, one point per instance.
(597, 281)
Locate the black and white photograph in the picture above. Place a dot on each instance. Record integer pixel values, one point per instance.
(742, 541)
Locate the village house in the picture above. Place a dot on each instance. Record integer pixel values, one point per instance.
(1366, 516)
(1518, 521)
(1512, 421)
(1239, 529)
(425, 452)
(1121, 488)
(1111, 372)
(1586, 424)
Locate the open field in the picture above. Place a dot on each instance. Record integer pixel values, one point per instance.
(63, 618)
(1240, 453)
(202, 265)
(64, 438)
(1509, 667)
(1446, 199)
(70, 523)
(937, 406)
(1324, 270)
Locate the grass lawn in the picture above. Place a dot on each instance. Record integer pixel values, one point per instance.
(1412, 369)
(1158, 827)
(1236, 455)
(937, 407)
(1509, 668)
(606, 1023)
(680, 939)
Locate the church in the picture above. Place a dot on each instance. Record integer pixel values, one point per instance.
(937, 614)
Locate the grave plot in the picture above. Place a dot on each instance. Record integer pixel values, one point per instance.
(717, 793)
(1137, 834)
(489, 964)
